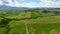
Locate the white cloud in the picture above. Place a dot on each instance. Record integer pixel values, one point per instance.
(50, 3)
(23, 4)
(30, 4)
(0, 2)
(42, 3)
(12, 3)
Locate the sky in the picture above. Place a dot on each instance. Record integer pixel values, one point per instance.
(31, 3)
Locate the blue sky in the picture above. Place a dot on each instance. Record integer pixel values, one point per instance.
(28, 0)
(35, 0)
(31, 3)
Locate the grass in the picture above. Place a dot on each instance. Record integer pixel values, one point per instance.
(17, 27)
(50, 19)
(2, 30)
(35, 14)
(20, 15)
(33, 28)
(39, 25)
(0, 20)
(39, 28)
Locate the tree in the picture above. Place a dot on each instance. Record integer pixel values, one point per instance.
(45, 11)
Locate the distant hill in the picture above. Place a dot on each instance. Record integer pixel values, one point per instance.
(23, 8)
(10, 8)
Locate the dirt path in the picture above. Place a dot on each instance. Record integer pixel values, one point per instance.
(26, 29)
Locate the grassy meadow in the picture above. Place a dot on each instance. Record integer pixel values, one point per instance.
(35, 21)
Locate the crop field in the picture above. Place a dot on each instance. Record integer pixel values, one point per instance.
(30, 22)
(35, 28)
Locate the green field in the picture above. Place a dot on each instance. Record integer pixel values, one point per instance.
(35, 28)
(34, 21)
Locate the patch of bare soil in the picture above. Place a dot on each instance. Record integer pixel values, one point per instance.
(43, 33)
(53, 32)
